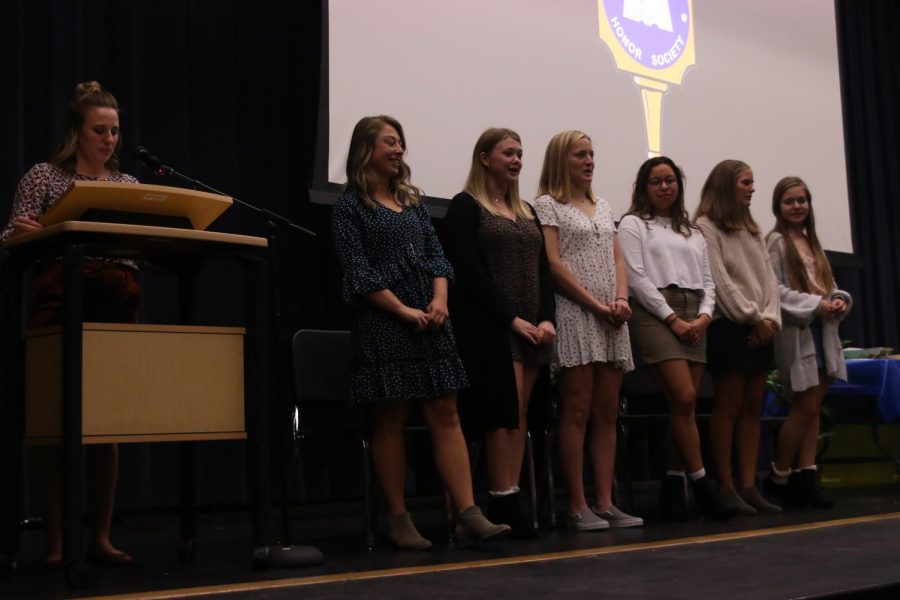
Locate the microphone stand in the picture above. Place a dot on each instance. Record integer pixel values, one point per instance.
(284, 555)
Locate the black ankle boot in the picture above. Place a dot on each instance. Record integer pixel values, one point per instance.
(811, 490)
(707, 497)
(673, 498)
(508, 509)
(786, 494)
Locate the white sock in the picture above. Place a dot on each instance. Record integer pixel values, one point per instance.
(674, 473)
(508, 492)
(778, 476)
(697, 475)
(809, 468)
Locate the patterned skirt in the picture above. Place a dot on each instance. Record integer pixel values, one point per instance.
(652, 341)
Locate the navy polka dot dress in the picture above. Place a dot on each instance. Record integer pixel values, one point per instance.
(382, 249)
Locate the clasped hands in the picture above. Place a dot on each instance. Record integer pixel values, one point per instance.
(832, 309)
(689, 332)
(542, 333)
(762, 334)
(616, 313)
(433, 317)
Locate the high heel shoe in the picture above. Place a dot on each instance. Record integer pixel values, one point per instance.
(471, 527)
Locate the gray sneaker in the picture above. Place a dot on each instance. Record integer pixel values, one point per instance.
(586, 520)
(617, 518)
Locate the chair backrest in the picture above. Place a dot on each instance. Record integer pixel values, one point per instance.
(322, 366)
(645, 397)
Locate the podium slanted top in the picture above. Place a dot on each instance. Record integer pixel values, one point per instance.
(200, 208)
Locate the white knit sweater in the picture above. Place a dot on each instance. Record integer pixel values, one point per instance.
(746, 288)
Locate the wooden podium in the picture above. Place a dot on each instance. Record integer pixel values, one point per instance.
(146, 383)
(100, 382)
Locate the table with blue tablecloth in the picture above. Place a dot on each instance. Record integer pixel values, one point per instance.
(874, 378)
(877, 381)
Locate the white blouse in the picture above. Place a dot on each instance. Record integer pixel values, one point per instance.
(657, 257)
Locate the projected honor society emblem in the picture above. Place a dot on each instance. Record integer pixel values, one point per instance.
(653, 40)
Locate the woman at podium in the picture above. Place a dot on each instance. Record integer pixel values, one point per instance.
(87, 152)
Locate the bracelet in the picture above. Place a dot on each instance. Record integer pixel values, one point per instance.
(624, 299)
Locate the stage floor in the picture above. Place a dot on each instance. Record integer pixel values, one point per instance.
(800, 553)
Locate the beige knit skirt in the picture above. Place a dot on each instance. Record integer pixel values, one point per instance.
(651, 339)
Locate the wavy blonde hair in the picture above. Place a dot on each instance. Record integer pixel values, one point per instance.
(88, 95)
(718, 201)
(360, 180)
(477, 181)
(555, 180)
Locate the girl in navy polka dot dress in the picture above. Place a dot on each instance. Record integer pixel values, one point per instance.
(395, 276)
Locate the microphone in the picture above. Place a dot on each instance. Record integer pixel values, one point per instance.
(155, 165)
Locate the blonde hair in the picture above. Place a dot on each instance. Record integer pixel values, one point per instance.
(555, 180)
(797, 276)
(477, 181)
(718, 201)
(360, 181)
(88, 95)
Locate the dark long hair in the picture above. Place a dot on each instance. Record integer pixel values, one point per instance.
(642, 207)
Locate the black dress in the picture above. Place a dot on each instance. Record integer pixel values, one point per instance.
(483, 250)
(382, 249)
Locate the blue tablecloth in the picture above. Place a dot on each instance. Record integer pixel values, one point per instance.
(878, 377)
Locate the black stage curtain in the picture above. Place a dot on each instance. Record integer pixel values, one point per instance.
(870, 80)
(227, 91)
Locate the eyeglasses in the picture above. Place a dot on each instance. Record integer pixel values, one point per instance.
(669, 181)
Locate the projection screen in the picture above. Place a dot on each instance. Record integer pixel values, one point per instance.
(699, 81)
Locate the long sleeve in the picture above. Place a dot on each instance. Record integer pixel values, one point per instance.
(435, 260)
(748, 271)
(461, 243)
(35, 194)
(797, 308)
(708, 304)
(360, 278)
(632, 242)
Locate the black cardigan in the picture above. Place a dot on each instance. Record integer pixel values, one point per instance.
(481, 318)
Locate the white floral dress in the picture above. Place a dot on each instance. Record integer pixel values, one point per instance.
(586, 248)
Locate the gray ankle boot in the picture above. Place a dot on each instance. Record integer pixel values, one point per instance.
(734, 503)
(404, 534)
(472, 526)
(752, 497)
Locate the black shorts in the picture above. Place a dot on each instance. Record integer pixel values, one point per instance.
(727, 351)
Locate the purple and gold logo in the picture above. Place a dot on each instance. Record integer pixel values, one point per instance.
(654, 41)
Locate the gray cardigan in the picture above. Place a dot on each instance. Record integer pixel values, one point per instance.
(795, 353)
